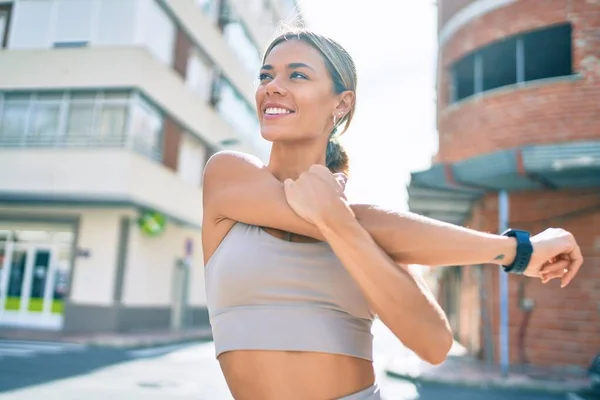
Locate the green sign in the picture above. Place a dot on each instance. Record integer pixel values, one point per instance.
(152, 223)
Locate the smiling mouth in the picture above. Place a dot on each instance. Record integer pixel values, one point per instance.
(277, 111)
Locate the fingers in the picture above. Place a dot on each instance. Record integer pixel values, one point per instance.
(341, 178)
(287, 187)
(576, 260)
(554, 270)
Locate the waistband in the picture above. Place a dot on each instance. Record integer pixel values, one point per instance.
(292, 328)
(370, 393)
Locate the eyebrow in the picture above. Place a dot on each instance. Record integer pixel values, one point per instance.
(294, 65)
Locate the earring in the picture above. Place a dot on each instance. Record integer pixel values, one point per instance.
(334, 118)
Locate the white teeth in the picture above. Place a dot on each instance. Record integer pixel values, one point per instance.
(276, 111)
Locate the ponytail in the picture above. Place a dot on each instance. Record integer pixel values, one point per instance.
(336, 157)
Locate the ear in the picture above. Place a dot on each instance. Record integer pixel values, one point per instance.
(345, 103)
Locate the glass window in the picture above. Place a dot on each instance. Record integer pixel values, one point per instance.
(236, 111)
(146, 129)
(89, 119)
(237, 37)
(31, 24)
(192, 157)
(13, 121)
(80, 120)
(110, 122)
(499, 64)
(548, 53)
(464, 78)
(3, 26)
(73, 21)
(539, 54)
(158, 31)
(45, 118)
(199, 76)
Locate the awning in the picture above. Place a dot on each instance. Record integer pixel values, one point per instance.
(448, 191)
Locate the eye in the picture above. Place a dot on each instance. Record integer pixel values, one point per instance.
(263, 76)
(300, 75)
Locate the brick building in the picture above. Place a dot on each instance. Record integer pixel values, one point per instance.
(518, 109)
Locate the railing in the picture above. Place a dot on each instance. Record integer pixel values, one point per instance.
(74, 141)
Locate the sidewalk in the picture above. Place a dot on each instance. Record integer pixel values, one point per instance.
(115, 340)
(460, 369)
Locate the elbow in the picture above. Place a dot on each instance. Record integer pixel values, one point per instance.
(439, 347)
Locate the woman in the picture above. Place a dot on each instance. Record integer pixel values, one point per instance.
(295, 274)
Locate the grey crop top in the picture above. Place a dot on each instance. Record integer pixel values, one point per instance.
(264, 293)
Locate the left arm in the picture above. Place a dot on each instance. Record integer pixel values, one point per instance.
(404, 304)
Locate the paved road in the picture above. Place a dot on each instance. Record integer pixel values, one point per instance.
(48, 371)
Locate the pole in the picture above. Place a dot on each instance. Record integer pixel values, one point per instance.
(503, 209)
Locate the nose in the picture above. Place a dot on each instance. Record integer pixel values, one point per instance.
(274, 87)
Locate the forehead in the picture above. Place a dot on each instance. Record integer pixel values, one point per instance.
(294, 51)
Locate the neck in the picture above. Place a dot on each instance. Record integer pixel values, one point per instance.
(289, 159)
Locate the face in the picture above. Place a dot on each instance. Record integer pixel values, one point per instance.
(295, 98)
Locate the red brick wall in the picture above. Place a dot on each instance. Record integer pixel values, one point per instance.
(535, 113)
(564, 328)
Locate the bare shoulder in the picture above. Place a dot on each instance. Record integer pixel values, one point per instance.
(224, 175)
(229, 163)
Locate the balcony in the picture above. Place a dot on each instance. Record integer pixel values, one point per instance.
(119, 68)
(89, 148)
(107, 177)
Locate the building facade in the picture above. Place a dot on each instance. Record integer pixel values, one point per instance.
(108, 113)
(518, 110)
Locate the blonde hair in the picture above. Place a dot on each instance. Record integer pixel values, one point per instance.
(342, 71)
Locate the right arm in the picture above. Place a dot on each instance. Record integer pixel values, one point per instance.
(239, 188)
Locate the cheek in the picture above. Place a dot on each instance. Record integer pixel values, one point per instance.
(314, 106)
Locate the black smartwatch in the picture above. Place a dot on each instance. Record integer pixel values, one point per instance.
(524, 251)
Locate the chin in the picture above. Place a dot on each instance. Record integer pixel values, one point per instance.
(272, 134)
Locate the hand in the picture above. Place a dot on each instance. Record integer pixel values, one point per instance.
(555, 255)
(317, 194)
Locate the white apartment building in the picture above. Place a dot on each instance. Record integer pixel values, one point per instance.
(109, 110)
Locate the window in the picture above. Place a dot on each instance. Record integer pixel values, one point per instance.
(88, 119)
(540, 54)
(192, 157)
(31, 27)
(45, 117)
(464, 78)
(4, 23)
(73, 21)
(158, 32)
(236, 111)
(548, 53)
(500, 65)
(146, 129)
(199, 76)
(15, 114)
(238, 39)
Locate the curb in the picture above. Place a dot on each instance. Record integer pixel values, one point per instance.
(144, 343)
(141, 343)
(500, 383)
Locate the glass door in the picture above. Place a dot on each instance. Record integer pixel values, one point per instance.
(27, 285)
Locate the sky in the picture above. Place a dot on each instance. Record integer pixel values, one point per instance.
(394, 46)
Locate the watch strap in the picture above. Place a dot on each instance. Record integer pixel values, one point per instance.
(523, 253)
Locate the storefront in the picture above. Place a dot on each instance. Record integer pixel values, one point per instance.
(86, 269)
(35, 266)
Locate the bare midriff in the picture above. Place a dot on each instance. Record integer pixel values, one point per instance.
(290, 375)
